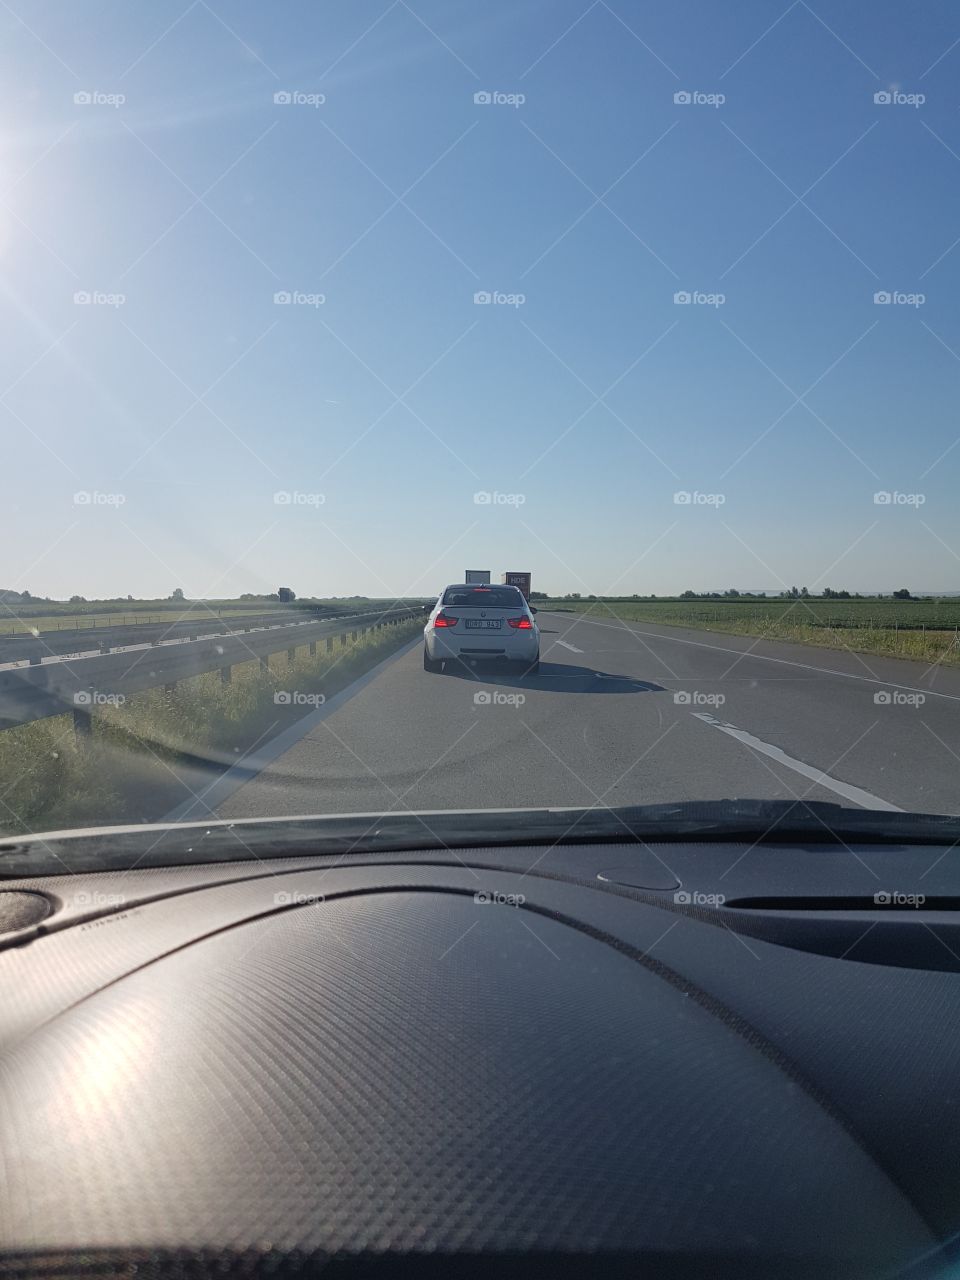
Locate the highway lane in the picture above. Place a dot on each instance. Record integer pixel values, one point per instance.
(629, 713)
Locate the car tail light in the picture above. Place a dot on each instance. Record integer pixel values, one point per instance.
(444, 620)
(521, 624)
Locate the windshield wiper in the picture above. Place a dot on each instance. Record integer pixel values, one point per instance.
(764, 822)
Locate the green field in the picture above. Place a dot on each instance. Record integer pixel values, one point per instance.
(927, 629)
(17, 618)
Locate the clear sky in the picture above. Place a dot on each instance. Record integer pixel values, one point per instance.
(181, 197)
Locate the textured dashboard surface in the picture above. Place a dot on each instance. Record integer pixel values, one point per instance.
(370, 1062)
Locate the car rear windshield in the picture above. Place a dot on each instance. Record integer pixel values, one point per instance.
(483, 597)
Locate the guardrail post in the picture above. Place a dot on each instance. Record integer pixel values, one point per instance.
(291, 656)
(36, 659)
(82, 724)
(104, 646)
(353, 636)
(226, 675)
(313, 648)
(265, 662)
(329, 645)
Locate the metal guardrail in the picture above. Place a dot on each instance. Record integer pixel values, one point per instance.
(79, 686)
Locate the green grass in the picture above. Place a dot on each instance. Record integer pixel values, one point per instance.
(130, 768)
(926, 630)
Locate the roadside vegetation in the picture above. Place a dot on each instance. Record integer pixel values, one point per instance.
(140, 756)
(926, 628)
(21, 617)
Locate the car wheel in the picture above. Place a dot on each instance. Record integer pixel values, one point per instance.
(430, 664)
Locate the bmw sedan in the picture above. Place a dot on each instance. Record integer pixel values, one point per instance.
(471, 624)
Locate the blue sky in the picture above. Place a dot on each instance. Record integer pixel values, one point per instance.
(383, 409)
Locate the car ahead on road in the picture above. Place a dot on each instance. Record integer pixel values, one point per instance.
(480, 623)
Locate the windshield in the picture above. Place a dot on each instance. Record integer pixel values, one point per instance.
(483, 597)
(646, 313)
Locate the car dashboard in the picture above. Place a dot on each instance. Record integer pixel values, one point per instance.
(687, 1058)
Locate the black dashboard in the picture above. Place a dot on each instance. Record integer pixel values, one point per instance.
(691, 1058)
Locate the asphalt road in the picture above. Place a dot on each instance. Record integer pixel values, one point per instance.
(628, 713)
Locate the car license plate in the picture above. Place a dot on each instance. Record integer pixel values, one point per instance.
(483, 624)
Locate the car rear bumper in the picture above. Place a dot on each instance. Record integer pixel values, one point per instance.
(502, 647)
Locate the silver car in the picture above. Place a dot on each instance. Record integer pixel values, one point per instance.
(481, 623)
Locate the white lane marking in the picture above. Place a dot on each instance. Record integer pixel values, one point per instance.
(572, 647)
(765, 657)
(849, 792)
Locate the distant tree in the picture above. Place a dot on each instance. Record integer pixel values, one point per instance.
(732, 594)
(176, 593)
(688, 595)
(902, 594)
(539, 595)
(78, 599)
(804, 593)
(25, 595)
